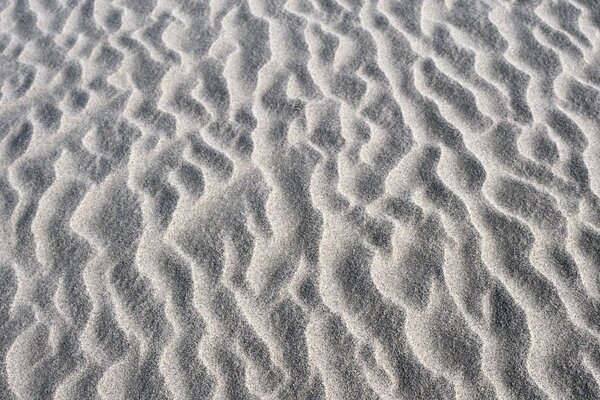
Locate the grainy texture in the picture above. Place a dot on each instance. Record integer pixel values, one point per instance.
(301, 199)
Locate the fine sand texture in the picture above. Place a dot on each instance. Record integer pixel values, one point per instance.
(300, 199)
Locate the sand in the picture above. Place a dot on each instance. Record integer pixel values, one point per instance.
(300, 199)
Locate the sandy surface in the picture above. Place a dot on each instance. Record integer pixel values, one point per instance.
(301, 199)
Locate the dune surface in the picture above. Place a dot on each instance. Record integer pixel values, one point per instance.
(300, 199)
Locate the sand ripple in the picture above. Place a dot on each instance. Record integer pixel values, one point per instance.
(301, 199)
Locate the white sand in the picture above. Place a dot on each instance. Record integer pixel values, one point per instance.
(301, 199)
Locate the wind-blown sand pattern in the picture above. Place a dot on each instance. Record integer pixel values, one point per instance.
(301, 199)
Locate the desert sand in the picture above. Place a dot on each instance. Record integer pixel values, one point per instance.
(300, 199)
